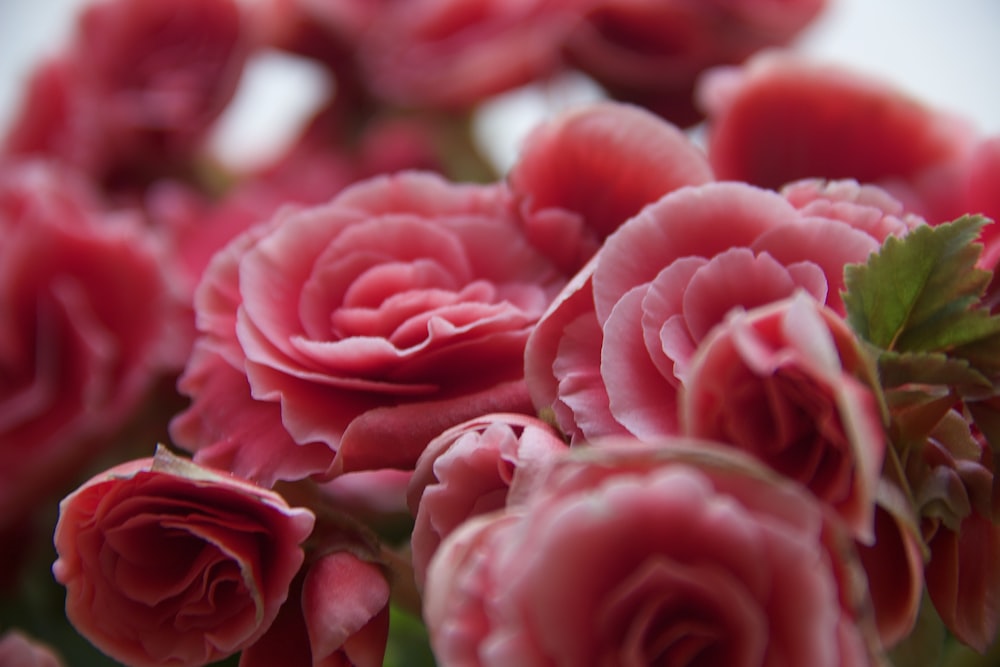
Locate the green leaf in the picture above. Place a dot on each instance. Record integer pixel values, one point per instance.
(927, 368)
(408, 644)
(983, 354)
(907, 295)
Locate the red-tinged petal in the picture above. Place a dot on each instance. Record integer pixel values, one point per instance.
(604, 162)
(397, 435)
(582, 408)
(830, 244)
(895, 569)
(286, 642)
(779, 119)
(964, 582)
(738, 278)
(226, 428)
(341, 595)
(639, 397)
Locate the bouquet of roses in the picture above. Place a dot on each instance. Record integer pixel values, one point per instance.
(650, 396)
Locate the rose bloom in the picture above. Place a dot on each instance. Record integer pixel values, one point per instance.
(137, 88)
(676, 552)
(968, 187)
(169, 563)
(788, 383)
(453, 54)
(610, 354)
(89, 325)
(471, 469)
(375, 322)
(778, 118)
(651, 52)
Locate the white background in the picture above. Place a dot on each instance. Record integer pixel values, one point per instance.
(944, 52)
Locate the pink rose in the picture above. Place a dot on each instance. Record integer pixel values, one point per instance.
(651, 52)
(472, 469)
(670, 274)
(168, 563)
(778, 118)
(968, 187)
(88, 326)
(454, 53)
(376, 321)
(19, 650)
(786, 383)
(585, 172)
(676, 552)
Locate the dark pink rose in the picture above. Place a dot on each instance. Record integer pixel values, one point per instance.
(55, 119)
(963, 582)
(136, 89)
(89, 325)
(169, 563)
(19, 650)
(968, 187)
(894, 567)
(779, 118)
(337, 614)
(651, 52)
(472, 469)
(674, 552)
(162, 71)
(378, 320)
(787, 383)
(585, 172)
(454, 53)
(958, 501)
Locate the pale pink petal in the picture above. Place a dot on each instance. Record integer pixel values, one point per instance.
(693, 221)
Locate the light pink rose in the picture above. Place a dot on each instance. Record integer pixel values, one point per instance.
(864, 207)
(665, 278)
(471, 469)
(19, 650)
(89, 325)
(671, 273)
(169, 563)
(454, 53)
(376, 321)
(788, 383)
(779, 118)
(674, 552)
(651, 52)
(581, 175)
